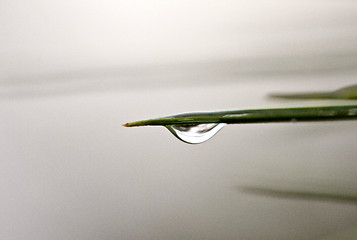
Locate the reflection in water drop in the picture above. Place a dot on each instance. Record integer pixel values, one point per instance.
(195, 133)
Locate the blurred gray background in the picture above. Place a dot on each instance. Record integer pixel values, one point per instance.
(72, 72)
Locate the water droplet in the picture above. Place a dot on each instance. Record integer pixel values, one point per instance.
(197, 133)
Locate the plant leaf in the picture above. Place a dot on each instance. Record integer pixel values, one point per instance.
(329, 113)
(346, 93)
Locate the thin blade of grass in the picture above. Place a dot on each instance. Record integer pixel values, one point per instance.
(330, 113)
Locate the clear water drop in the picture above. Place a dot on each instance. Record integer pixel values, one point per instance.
(197, 133)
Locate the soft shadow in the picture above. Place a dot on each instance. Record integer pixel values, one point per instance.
(176, 75)
(300, 195)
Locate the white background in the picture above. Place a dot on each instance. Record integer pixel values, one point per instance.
(71, 72)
